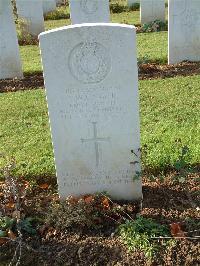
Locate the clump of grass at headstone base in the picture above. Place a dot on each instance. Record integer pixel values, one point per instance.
(60, 13)
(141, 234)
(134, 7)
(24, 37)
(88, 211)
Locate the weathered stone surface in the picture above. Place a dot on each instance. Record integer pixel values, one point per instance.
(88, 11)
(91, 82)
(10, 64)
(32, 13)
(49, 6)
(151, 10)
(183, 31)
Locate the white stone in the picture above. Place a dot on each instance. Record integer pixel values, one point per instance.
(183, 31)
(151, 10)
(91, 82)
(89, 11)
(32, 13)
(10, 64)
(49, 6)
(132, 2)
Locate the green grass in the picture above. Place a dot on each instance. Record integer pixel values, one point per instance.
(169, 113)
(24, 132)
(151, 47)
(170, 119)
(31, 60)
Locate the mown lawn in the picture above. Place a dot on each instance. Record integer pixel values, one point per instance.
(169, 120)
(151, 47)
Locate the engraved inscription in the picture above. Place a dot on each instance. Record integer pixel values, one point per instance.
(89, 6)
(102, 177)
(89, 62)
(96, 140)
(92, 103)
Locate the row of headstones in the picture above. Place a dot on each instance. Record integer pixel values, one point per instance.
(183, 44)
(85, 11)
(98, 11)
(91, 82)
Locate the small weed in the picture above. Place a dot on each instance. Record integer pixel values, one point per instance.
(181, 166)
(139, 234)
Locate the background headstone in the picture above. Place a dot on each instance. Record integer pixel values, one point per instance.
(183, 31)
(10, 64)
(151, 10)
(32, 13)
(49, 6)
(88, 11)
(91, 82)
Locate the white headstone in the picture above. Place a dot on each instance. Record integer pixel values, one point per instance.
(151, 10)
(183, 31)
(89, 11)
(32, 13)
(10, 65)
(132, 2)
(91, 82)
(49, 6)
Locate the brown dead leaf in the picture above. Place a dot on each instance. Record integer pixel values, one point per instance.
(11, 235)
(88, 199)
(105, 203)
(3, 240)
(44, 186)
(176, 230)
(10, 205)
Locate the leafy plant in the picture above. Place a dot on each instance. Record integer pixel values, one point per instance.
(154, 26)
(139, 234)
(27, 225)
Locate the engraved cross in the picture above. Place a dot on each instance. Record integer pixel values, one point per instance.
(96, 140)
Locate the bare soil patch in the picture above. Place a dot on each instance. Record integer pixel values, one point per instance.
(146, 71)
(165, 202)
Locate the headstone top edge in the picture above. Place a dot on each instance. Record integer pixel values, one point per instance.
(87, 25)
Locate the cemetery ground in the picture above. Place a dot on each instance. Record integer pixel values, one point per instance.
(92, 230)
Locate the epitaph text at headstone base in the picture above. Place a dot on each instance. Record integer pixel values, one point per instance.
(183, 31)
(91, 82)
(31, 13)
(151, 10)
(10, 63)
(89, 11)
